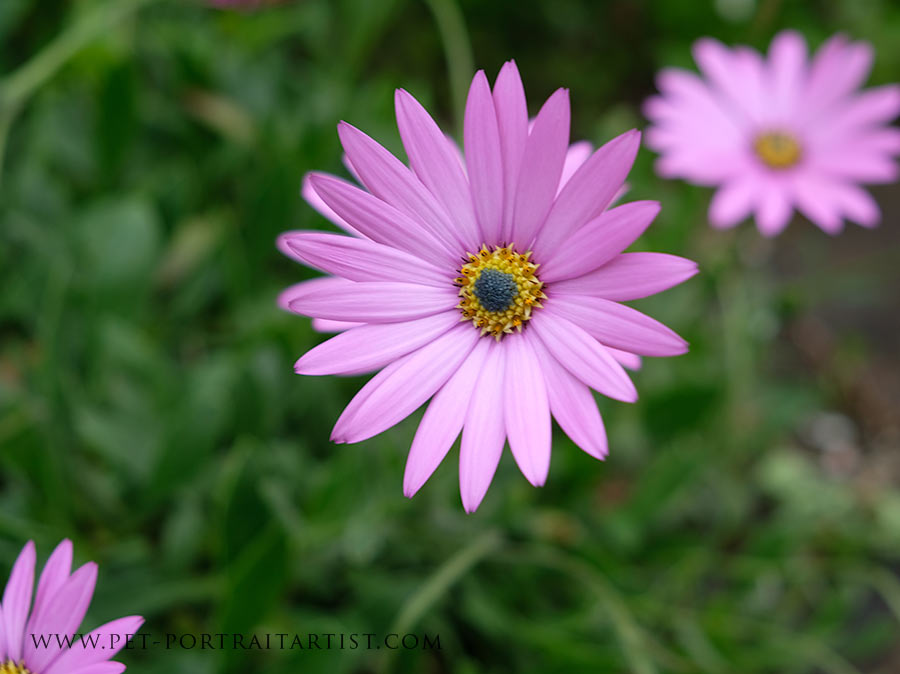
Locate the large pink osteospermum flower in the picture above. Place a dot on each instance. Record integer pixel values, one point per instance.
(778, 133)
(490, 284)
(59, 606)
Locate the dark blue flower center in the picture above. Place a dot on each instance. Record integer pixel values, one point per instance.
(495, 289)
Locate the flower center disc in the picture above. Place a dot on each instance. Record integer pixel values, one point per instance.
(9, 667)
(498, 289)
(777, 149)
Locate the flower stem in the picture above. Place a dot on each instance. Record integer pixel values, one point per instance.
(444, 578)
(441, 581)
(636, 645)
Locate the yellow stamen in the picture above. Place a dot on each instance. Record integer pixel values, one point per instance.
(9, 667)
(503, 301)
(777, 149)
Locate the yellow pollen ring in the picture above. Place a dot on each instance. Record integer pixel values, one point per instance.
(528, 295)
(777, 149)
(10, 667)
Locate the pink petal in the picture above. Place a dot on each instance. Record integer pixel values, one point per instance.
(573, 406)
(699, 165)
(281, 243)
(695, 131)
(327, 325)
(696, 166)
(861, 154)
(576, 155)
(879, 140)
(110, 639)
(2, 636)
(443, 420)
(598, 242)
(324, 209)
(526, 409)
(542, 164)
(872, 107)
(512, 124)
(63, 615)
(388, 178)
(309, 287)
(380, 221)
(787, 73)
(588, 192)
(856, 204)
(100, 668)
(752, 75)
(484, 432)
(773, 208)
(17, 601)
(735, 73)
(399, 389)
(823, 200)
(733, 201)
(621, 192)
(695, 108)
(481, 139)
(853, 161)
(377, 302)
(625, 359)
(814, 199)
(837, 69)
(360, 259)
(435, 160)
(617, 325)
(677, 85)
(371, 347)
(583, 356)
(55, 574)
(351, 169)
(630, 276)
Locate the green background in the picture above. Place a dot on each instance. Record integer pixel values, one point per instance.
(746, 521)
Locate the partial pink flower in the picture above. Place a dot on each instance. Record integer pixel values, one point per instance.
(29, 630)
(778, 132)
(490, 284)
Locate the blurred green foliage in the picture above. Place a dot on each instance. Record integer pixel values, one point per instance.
(149, 411)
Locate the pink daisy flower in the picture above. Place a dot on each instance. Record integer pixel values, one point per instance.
(59, 606)
(489, 283)
(779, 132)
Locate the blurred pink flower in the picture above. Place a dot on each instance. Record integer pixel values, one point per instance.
(28, 631)
(778, 133)
(490, 282)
